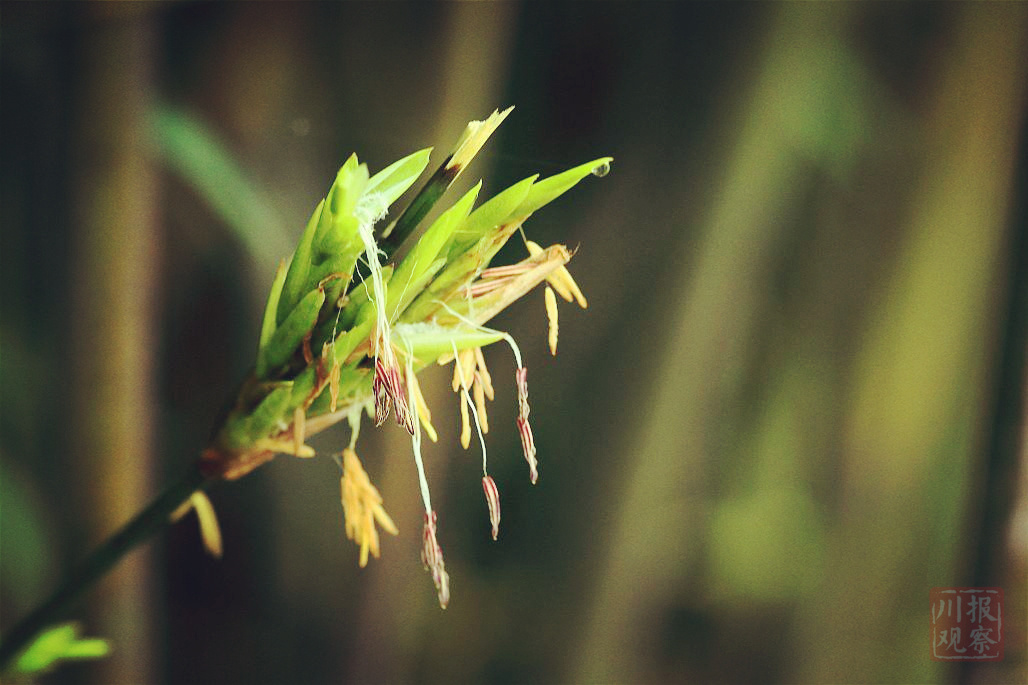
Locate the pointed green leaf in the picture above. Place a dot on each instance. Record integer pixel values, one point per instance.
(299, 266)
(340, 265)
(340, 237)
(290, 334)
(347, 341)
(429, 341)
(349, 185)
(241, 431)
(338, 226)
(393, 181)
(333, 320)
(402, 293)
(493, 213)
(269, 324)
(549, 189)
(423, 255)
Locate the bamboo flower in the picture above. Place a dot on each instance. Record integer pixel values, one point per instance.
(362, 507)
(347, 328)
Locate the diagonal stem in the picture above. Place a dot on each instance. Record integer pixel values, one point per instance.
(144, 526)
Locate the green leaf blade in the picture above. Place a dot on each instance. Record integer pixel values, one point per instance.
(423, 256)
(549, 189)
(287, 338)
(393, 181)
(270, 323)
(295, 284)
(496, 212)
(427, 342)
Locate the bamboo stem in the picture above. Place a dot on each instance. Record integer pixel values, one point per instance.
(144, 526)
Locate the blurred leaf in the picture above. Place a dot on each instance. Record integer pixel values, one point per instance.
(766, 546)
(192, 150)
(56, 644)
(828, 115)
(25, 561)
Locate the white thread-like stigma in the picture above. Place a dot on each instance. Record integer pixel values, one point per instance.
(416, 436)
(378, 294)
(474, 412)
(485, 329)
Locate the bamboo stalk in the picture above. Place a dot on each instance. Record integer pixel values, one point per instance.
(141, 528)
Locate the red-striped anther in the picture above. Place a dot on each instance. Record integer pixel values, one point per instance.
(528, 447)
(390, 391)
(432, 558)
(398, 392)
(380, 388)
(521, 377)
(524, 429)
(492, 498)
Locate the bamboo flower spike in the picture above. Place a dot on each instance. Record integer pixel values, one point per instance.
(346, 328)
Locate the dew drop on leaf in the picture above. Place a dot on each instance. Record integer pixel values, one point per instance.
(601, 170)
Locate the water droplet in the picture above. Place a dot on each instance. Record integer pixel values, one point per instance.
(601, 169)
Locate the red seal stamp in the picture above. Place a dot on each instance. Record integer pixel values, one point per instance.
(967, 623)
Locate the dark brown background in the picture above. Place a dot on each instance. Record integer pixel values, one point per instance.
(793, 406)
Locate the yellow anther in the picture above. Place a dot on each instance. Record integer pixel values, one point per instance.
(362, 507)
(561, 279)
(483, 419)
(467, 361)
(551, 315)
(210, 532)
(464, 368)
(483, 374)
(284, 446)
(422, 408)
(465, 424)
(455, 383)
(333, 386)
(567, 282)
(299, 421)
(560, 286)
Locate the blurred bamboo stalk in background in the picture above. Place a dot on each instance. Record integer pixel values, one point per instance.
(714, 317)
(918, 406)
(907, 409)
(113, 325)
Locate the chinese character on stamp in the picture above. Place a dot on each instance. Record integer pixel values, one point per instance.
(967, 623)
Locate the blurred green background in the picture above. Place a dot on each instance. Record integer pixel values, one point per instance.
(793, 406)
